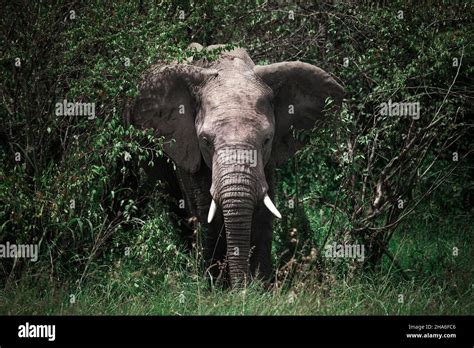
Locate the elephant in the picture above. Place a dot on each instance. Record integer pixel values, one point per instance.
(228, 124)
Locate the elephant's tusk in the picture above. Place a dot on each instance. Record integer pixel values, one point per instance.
(212, 212)
(269, 204)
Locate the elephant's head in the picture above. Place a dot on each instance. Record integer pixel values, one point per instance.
(235, 118)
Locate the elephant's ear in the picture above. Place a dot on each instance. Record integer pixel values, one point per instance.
(301, 91)
(166, 103)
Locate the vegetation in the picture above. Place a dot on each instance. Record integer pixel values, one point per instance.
(401, 186)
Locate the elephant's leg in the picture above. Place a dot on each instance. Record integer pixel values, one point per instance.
(212, 237)
(262, 232)
(215, 248)
(261, 243)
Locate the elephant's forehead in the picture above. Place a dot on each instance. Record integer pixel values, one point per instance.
(234, 98)
(230, 98)
(234, 89)
(235, 122)
(235, 77)
(238, 108)
(237, 126)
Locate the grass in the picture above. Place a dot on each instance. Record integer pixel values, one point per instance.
(440, 283)
(333, 297)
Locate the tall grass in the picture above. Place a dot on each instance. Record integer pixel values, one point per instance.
(439, 283)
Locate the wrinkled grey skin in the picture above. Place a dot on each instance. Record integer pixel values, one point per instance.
(231, 103)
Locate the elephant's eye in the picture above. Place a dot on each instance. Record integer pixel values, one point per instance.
(267, 141)
(206, 142)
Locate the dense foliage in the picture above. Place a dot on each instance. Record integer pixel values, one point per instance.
(401, 186)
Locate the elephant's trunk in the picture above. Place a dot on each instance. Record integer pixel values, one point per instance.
(237, 200)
